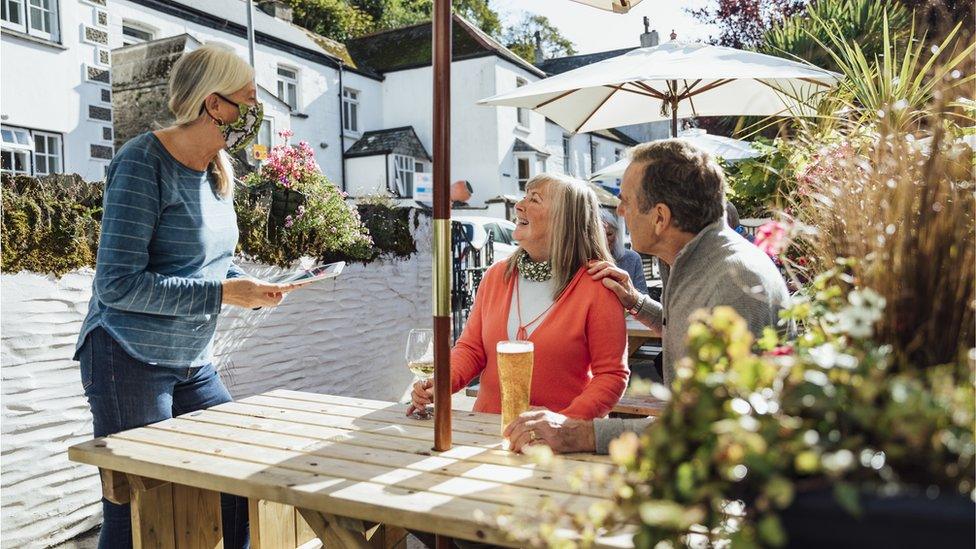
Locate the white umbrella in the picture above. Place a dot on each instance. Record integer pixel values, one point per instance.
(726, 148)
(616, 6)
(649, 84)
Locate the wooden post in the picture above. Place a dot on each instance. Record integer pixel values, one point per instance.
(674, 108)
(442, 223)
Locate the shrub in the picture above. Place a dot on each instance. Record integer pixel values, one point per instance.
(51, 224)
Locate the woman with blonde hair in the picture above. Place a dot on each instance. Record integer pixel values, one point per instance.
(542, 294)
(165, 266)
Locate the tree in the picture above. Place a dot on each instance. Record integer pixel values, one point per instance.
(521, 38)
(742, 23)
(335, 19)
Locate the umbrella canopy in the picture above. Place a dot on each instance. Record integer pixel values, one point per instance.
(652, 84)
(616, 6)
(726, 148)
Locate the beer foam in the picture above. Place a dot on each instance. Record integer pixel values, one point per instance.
(514, 347)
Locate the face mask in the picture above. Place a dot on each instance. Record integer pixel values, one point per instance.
(239, 133)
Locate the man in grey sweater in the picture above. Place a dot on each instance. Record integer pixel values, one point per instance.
(672, 198)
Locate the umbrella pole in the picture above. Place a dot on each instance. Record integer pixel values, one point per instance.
(442, 223)
(674, 109)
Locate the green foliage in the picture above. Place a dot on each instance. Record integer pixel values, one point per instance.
(826, 409)
(861, 20)
(50, 225)
(344, 19)
(521, 38)
(755, 185)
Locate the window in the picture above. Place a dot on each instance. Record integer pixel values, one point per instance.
(265, 133)
(567, 163)
(15, 151)
(523, 172)
(135, 33)
(522, 115)
(617, 153)
(403, 170)
(594, 149)
(350, 110)
(35, 17)
(288, 86)
(419, 167)
(12, 13)
(47, 153)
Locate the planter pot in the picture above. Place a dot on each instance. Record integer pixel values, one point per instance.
(905, 520)
(284, 203)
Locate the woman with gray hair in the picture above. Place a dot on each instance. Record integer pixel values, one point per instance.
(626, 259)
(543, 294)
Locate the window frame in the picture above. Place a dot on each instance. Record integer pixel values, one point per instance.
(59, 150)
(282, 82)
(521, 114)
(26, 25)
(138, 26)
(567, 156)
(350, 104)
(594, 149)
(528, 171)
(403, 166)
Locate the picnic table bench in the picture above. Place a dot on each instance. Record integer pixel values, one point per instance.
(346, 472)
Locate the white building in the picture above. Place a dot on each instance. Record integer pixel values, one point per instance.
(57, 110)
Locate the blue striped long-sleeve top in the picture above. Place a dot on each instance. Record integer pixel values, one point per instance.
(166, 245)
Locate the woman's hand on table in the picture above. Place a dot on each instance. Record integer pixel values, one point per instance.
(564, 435)
(247, 292)
(617, 280)
(422, 395)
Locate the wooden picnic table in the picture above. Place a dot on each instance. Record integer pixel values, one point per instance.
(638, 334)
(346, 472)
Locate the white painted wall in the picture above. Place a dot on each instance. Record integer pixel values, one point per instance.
(343, 337)
(45, 87)
(366, 175)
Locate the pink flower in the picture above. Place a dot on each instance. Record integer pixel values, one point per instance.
(285, 134)
(782, 350)
(289, 222)
(771, 238)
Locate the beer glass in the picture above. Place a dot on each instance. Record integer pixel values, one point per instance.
(514, 377)
(420, 360)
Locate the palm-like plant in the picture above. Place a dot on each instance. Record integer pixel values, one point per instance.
(801, 36)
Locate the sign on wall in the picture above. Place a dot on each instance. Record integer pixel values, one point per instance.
(423, 187)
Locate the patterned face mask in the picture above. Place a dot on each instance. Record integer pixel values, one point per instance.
(239, 133)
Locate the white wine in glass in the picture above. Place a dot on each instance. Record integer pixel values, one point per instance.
(420, 360)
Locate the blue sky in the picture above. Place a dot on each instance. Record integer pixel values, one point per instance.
(594, 30)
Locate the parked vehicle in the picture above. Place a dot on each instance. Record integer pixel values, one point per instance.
(476, 231)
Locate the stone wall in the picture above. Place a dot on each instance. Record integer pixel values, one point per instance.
(343, 337)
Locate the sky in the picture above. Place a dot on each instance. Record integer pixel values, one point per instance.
(594, 30)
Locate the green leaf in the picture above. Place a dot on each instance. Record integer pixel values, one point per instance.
(771, 531)
(848, 497)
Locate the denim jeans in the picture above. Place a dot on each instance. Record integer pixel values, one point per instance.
(125, 393)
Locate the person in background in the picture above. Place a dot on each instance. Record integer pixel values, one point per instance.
(165, 267)
(628, 260)
(673, 200)
(542, 293)
(732, 218)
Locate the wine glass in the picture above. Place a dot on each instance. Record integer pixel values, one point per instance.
(420, 360)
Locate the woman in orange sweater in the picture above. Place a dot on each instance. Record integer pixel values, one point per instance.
(543, 294)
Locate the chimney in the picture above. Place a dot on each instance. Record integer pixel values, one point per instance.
(649, 38)
(539, 58)
(276, 9)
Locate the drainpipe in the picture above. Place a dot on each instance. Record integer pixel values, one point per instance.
(342, 135)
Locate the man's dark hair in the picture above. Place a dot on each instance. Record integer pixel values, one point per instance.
(682, 177)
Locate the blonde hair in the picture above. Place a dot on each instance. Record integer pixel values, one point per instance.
(212, 68)
(576, 231)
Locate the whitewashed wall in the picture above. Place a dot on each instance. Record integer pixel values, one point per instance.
(343, 337)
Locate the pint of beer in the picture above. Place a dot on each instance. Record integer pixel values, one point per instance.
(514, 377)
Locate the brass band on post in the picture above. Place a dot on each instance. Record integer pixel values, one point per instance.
(442, 267)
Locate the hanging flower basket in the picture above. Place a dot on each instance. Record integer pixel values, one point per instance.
(285, 204)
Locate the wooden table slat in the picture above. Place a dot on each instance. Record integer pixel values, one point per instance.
(477, 417)
(358, 471)
(388, 457)
(405, 427)
(378, 440)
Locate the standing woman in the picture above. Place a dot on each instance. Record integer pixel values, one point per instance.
(165, 267)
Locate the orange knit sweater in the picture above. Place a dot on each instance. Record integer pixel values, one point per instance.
(580, 367)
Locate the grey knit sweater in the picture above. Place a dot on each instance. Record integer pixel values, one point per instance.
(717, 267)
